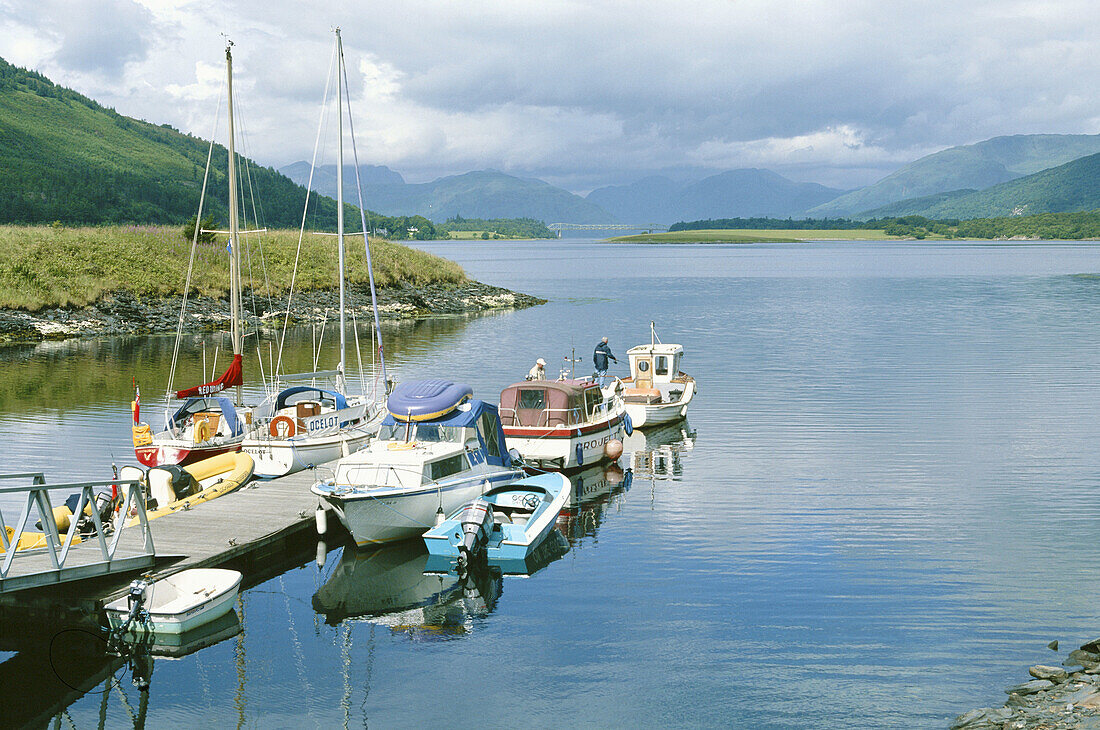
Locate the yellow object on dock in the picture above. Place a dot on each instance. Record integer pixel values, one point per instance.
(31, 540)
(234, 469)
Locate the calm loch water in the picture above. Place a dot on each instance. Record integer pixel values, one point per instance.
(884, 505)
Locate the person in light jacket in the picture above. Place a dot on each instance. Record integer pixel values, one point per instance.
(599, 359)
(538, 372)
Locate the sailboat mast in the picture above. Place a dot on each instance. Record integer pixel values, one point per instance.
(340, 195)
(234, 233)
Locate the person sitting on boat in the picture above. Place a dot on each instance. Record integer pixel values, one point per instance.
(538, 372)
(599, 358)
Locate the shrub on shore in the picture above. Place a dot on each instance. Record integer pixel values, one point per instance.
(48, 266)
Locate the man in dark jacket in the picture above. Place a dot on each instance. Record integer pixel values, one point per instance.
(599, 358)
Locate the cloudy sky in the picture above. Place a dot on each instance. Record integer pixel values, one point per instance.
(584, 94)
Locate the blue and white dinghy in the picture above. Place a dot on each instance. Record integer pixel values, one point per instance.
(437, 448)
(506, 523)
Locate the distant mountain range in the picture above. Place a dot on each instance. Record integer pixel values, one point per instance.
(65, 157)
(737, 193)
(975, 167)
(481, 194)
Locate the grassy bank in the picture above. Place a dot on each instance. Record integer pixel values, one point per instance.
(745, 235)
(43, 266)
(704, 237)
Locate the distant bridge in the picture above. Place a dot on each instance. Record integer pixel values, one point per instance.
(647, 227)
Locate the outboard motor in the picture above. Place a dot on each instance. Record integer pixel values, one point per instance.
(477, 523)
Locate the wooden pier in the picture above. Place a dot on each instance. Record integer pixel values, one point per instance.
(250, 525)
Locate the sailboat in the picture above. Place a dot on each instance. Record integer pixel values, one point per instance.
(206, 424)
(313, 420)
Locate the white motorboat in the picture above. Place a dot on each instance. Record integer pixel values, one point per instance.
(437, 448)
(176, 603)
(657, 391)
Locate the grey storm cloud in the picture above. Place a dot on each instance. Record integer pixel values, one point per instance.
(98, 37)
(580, 92)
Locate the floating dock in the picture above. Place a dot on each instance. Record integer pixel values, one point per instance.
(247, 526)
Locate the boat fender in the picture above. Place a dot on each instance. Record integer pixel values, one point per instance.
(613, 449)
(282, 427)
(580, 454)
(628, 424)
(322, 520)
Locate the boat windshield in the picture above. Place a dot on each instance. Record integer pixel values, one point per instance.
(429, 432)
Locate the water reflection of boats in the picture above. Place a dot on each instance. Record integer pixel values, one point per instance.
(388, 586)
(177, 646)
(656, 453)
(593, 490)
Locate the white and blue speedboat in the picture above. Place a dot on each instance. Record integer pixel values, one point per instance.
(507, 523)
(437, 449)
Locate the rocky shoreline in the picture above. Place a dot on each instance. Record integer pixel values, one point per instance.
(1056, 698)
(125, 314)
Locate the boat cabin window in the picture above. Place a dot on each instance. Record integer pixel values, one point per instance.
(643, 366)
(592, 400)
(446, 467)
(533, 399)
(489, 429)
(429, 432)
(661, 365)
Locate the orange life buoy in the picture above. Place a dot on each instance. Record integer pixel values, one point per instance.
(282, 427)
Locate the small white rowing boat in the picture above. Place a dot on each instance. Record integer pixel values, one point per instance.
(177, 603)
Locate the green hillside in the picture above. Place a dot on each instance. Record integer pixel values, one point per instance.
(1074, 186)
(977, 167)
(64, 157)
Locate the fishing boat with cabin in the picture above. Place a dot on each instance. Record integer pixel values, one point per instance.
(657, 391)
(437, 448)
(563, 424)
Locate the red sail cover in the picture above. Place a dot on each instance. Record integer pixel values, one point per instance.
(233, 375)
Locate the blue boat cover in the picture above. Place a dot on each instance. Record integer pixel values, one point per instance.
(280, 401)
(199, 405)
(477, 414)
(423, 400)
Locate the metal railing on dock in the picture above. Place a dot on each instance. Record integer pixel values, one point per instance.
(48, 558)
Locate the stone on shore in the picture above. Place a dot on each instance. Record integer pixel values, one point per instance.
(1054, 674)
(1082, 658)
(1028, 688)
(986, 717)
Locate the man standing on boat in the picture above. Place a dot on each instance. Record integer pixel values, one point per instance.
(538, 372)
(599, 358)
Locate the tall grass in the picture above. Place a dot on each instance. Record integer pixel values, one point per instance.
(47, 266)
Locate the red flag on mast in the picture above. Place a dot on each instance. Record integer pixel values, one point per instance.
(233, 375)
